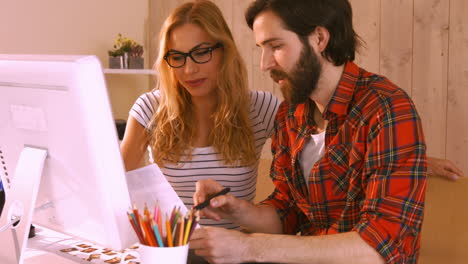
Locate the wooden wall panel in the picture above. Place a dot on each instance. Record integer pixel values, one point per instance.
(430, 58)
(159, 11)
(233, 12)
(396, 42)
(366, 20)
(457, 108)
(445, 238)
(227, 8)
(243, 37)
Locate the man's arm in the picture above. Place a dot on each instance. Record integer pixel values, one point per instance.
(344, 248)
(392, 212)
(226, 246)
(219, 245)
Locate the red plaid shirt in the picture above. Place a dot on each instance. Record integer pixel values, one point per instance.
(372, 176)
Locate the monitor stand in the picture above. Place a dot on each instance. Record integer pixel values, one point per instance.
(19, 205)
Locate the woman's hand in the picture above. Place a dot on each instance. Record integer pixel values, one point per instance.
(443, 168)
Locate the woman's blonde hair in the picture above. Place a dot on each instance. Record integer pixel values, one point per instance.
(172, 129)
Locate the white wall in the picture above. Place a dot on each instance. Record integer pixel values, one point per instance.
(77, 27)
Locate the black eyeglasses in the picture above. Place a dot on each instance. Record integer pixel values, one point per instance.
(177, 59)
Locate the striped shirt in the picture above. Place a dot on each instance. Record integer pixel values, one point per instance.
(206, 163)
(372, 176)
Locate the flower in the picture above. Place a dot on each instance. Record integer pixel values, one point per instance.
(124, 44)
(136, 51)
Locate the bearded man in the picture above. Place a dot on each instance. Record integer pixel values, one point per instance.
(360, 199)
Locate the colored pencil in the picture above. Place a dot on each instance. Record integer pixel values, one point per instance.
(172, 215)
(148, 232)
(146, 212)
(159, 222)
(137, 224)
(137, 231)
(176, 217)
(181, 233)
(158, 235)
(137, 215)
(187, 230)
(194, 224)
(163, 229)
(175, 234)
(169, 233)
(156, 211)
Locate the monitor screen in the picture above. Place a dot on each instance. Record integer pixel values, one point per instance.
(60, 103)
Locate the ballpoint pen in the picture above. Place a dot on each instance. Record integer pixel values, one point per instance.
(207, 201)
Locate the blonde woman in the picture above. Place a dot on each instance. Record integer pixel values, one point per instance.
(203, 121)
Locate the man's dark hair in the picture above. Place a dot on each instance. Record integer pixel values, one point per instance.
(302, 16)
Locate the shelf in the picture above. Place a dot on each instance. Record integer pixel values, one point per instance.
(129, 71)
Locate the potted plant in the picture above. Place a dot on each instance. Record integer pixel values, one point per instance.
(115, 59)
(127, 53)
(135, 60)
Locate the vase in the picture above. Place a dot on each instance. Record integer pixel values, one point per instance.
(116, 62)
(135, 62)
(125, 60)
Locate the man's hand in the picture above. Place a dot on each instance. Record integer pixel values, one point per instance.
(221, 207)
(443, 168)
(219, 245)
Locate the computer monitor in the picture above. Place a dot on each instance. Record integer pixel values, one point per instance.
(60, 104)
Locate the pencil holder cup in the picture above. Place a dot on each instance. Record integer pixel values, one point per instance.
(156, 255)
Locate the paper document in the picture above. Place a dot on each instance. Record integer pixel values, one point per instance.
(149, 185)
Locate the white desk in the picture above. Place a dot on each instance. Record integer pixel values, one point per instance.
(50, 247)
(41, 257)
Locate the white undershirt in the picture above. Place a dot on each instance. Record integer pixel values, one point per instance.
(311, 153)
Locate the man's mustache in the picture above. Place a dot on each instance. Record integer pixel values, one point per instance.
(277, 75)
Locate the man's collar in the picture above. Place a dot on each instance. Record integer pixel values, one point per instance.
(343, 94)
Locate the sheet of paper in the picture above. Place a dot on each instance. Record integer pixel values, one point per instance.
(149, 185)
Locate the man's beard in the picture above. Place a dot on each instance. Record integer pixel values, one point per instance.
(302, 81)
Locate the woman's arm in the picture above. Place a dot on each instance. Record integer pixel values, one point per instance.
(134, 145)
(443, 168)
